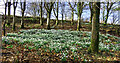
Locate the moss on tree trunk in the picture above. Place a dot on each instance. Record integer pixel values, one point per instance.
(94, 47)
(48, 20)
(22, 20)
(41, 22)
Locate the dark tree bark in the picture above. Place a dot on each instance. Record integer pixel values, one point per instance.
(9, 10)
(62, 13)
(62, 21)
(48, 20)
(56, 13)
(103, 13)
(23, 7)
(72, 14)
(91, 11)
(14, 18)
(80, 6)
(94, 47)
(48, 9)
(109, 6)
(5, 19)
(41, 22)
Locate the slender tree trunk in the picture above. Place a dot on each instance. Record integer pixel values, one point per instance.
(79, 23)
(91, 16)
(23, 7)
(14, 18)
(48, 20)
(79, 9)
(72, 17)
(41, 22)
(91, 11)
(62, 21)
(106, 17)
(109, 6)
(5, 19)
(9, 10)
(22, 20)
(56, 21)
(72, 14)
(48, 9)
(103, 13)
(57, 14)
(94, 47)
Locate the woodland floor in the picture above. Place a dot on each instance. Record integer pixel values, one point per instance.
(54, 57)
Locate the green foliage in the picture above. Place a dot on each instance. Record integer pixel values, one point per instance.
(11, 46)
(6, 25)
(59, 40)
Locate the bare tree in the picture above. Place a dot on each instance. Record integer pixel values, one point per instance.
(72, 9)
(33, 9)
(23, 7)
(62, 12)
(109, 6)
(40, 5)
(48, 6)
(80, 6)
(14, 18)
(56, 10)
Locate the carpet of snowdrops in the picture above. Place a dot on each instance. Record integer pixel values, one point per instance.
(60, 41)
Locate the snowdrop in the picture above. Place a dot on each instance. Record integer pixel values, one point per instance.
(59, 39)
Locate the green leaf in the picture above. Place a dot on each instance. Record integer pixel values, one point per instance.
(11, 46)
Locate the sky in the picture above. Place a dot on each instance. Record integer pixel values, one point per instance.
(85, 14)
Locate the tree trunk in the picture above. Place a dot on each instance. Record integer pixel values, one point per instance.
(22, 20)
(79, 24)
(14, 18)
(62, 21)
(9, 10)
(103, 13)
(56, 21)
(106, 17)
(72, 17)
(48, 20)
(91, 11)
(23, 7)
(109, 6)
(91, 16)
(79, 9)
(41, 22)
(57, 14)
(95, 29)
(5, 19)
(48, 9)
